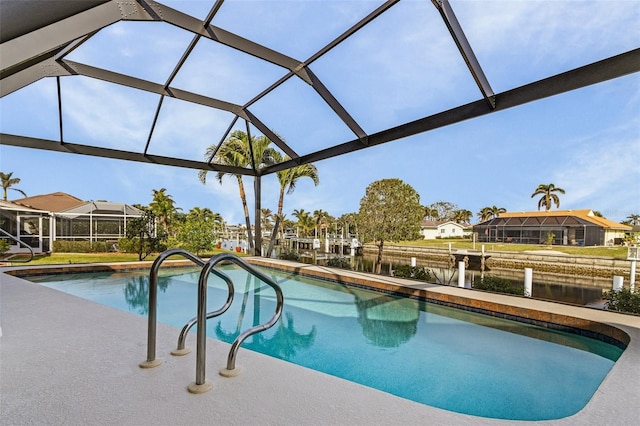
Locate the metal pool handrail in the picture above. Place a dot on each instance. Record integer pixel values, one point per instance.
(19, 243)
(153, 300)
(201, 384)
(180, 348)
(231, 359)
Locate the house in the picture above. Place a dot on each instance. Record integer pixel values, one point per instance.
(55, 202)
(431, 229)
(41, 220)
(560, 227)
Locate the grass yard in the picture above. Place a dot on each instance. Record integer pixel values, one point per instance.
(76, 258)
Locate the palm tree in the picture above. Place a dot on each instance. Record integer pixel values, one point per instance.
(487, 213)
(346, 222)
(288, 179)
(634, 219)
(548, 197)
(322, 219)
(266, 217)
(497, 211)
(236, 152)
(431, 213)
(164, 208)
(462, 216)
(305, 221)
(8, 182)
(484, 214)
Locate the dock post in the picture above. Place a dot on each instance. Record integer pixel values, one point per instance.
(461, 274)
(528, 281)
(617, 282)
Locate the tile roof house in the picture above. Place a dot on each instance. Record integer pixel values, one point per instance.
(41, 220)
(561, 227)
(55, 202)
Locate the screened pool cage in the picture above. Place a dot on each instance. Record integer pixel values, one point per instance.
(554, 230)
(93, 222)
(59, 48)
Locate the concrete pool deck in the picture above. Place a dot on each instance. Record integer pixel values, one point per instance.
(66, 360)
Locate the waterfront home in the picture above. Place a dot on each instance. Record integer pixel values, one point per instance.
(559, 227)
(431, 229)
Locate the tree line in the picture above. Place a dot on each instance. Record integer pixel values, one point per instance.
(390, 209)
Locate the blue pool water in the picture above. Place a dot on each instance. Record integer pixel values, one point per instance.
(439, 356)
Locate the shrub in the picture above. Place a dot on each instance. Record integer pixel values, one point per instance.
(623, 300)
(498, 285)
(5, 245)
(289, 255)
(339, 262)
(64, 246)
(407, 271)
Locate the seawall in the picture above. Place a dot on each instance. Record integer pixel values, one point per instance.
(541, 261)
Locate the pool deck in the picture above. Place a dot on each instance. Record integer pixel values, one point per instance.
(67, 361)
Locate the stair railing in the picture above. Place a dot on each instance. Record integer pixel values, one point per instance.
(201, 384)
(17, 240)
(151, 360)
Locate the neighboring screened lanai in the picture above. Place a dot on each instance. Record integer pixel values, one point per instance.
(561, 227)
(94, 221)
(261, 66)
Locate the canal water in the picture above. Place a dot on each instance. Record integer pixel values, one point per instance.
(576, 290)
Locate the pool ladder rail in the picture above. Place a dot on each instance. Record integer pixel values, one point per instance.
(202, 385)
(10, 257)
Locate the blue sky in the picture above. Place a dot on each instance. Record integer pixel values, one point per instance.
(401, 67)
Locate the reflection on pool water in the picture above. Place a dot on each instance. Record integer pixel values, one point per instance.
(439, 356)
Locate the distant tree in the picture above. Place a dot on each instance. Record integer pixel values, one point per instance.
(487, 213)
(305, 223)
(266, 219)
(462, 216)
(431, 213)
(347, 223)
(442, 210)
(199, 230)
(238, 151)
(288, 179)
(322, 220)
(144, 235)
(8, 182)
(389, 211)
(164, 208)
(634, 219)
(484, 214)
(596, 213)
(548, 196)
(140, 207)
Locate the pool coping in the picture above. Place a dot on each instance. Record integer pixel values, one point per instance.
(616, 400)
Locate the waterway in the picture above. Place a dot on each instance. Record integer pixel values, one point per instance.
(571, 289)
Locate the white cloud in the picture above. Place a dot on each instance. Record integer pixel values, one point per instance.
(605, 177)
(106, 114)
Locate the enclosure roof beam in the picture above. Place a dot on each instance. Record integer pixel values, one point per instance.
(94, 151)
(451, 21)
(597, 72)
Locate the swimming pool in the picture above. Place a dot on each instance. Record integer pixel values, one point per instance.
(442, 357)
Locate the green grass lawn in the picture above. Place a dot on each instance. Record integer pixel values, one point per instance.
(75, 258)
